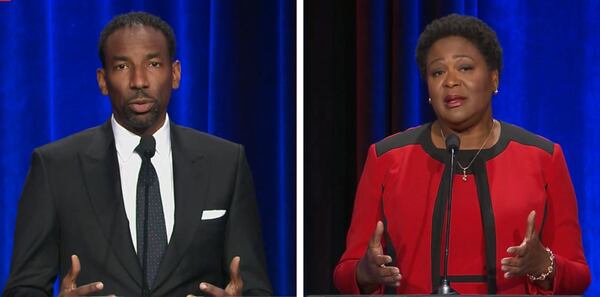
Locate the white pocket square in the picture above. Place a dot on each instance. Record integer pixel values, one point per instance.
(212, 214)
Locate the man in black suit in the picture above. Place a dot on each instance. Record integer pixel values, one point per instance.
(139, 205)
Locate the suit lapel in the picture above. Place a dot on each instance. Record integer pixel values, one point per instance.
(101, 174)
(190, 177)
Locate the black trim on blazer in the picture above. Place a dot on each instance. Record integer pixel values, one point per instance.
(541, 229)
(488, 222)
(421, 135)
(388, 249)
(408, 137)
(436, 228)
(467, 278)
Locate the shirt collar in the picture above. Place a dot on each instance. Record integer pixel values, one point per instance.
(126, 141)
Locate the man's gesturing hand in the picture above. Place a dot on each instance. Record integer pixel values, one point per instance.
(372, 270)
(235, 286)
(68, 285)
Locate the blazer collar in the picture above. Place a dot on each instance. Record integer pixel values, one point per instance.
(102, 178)
(191, 178)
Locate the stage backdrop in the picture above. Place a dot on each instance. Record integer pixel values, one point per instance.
(361, 70)
(238, 74)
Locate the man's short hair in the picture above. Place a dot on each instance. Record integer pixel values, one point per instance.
(136, 18)
(471, 28)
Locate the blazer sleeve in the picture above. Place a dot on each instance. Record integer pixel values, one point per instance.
(242, 233)
(366, 213)
(561, 231)
(35, 260)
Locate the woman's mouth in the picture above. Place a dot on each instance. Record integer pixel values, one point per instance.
(453, 101)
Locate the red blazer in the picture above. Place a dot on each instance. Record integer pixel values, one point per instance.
(404, 183)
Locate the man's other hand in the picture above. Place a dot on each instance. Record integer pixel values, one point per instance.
(234, 288)
(68, 285)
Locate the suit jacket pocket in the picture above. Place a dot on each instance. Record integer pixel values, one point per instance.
(212, 214)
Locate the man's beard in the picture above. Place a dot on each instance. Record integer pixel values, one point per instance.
(142, 122)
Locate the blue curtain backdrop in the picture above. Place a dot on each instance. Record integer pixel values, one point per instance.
(550, 85)
(238, 74)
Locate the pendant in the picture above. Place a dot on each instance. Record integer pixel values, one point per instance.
(464, 177)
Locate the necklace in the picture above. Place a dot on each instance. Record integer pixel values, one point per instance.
(465, 168)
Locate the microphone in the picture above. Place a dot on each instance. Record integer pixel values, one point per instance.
(147, 146)
(452, 145)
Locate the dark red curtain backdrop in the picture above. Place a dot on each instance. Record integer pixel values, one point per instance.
(387, 84)
(362, 84)
(349, 103)
(330, 136)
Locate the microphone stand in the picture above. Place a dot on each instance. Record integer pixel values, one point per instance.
(445, 288)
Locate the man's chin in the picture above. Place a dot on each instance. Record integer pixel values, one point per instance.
(142, 122)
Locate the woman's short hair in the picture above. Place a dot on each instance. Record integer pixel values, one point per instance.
(468, 27)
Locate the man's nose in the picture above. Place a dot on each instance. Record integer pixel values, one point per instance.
(139, 79)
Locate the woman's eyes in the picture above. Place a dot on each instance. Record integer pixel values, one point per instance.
(461, 68)
(436, 73)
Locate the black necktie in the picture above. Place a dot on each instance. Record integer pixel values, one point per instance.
(148, 198)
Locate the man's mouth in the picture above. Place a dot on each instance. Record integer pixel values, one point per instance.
(141, 105)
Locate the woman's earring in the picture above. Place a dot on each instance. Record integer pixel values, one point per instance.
(496, 91)
(429, 100)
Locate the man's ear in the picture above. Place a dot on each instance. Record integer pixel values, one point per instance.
(176, 73)
(101, 78)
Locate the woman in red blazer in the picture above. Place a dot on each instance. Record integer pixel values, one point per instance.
(514, 226)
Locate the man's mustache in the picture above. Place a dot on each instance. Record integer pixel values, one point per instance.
(141, 96)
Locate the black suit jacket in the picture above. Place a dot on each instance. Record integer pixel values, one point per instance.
(72, 204)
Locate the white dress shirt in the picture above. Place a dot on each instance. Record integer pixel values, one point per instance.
(129, 167)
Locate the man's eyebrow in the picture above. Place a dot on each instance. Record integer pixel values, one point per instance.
(125, 58)
(152, 55)
(120, 58)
